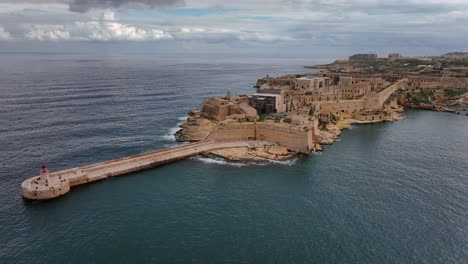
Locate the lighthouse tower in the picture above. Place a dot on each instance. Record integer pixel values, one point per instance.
(44, 174)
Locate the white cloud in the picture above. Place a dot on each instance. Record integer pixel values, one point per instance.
(5, 35)
(107, 28)
(298, 25)
(223, 34)
(48, 33)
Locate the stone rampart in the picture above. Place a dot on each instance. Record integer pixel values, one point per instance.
(293, 137)
(343, 106)
(234, 131)
(375, 101)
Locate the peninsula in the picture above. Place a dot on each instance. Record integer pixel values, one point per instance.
(291, 114)
(301, 112)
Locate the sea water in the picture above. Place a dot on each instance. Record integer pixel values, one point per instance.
(385, 193)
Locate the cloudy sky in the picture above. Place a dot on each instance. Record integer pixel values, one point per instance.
(320, 27)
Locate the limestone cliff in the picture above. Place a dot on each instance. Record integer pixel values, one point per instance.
(255, 154)
(196, 128)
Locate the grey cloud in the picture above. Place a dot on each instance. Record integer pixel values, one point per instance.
(381, 6)
(86, 5)
(82, 6)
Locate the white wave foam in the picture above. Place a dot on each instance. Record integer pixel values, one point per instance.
(284, 162)
(221, 161)
(170, 136)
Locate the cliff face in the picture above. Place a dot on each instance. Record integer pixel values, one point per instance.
(435, 100)
(196, 128)
(255, 154)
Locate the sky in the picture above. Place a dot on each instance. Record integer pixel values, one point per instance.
(320, 28)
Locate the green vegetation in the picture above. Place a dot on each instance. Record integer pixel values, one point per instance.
(425, 98)
(456, 92)
(264, 117)
(419, 98)
(322, 125)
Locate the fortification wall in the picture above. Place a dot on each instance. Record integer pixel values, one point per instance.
(375, 101)
(281, 134)
(343, 106)
(372, 117)
(308, 99)
(437, 82)
(234, 131)
(215, 110)
(296, 140)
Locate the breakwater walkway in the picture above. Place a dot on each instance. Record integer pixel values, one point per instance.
(51, 185)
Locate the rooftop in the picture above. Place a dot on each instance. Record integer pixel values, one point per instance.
(267, 94)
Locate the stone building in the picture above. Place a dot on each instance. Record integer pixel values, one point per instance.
(394, 56)
(268, 103)
(356, 90)
(313, 84)
(363, 57)
(220, 108)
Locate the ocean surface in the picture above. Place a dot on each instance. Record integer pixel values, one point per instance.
(384, 193)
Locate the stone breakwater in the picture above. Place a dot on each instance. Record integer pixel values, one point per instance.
(51, 185)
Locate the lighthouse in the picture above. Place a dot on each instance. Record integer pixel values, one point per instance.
(44, 174)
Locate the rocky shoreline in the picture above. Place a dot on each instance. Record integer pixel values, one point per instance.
(298, 114)
(198, 128)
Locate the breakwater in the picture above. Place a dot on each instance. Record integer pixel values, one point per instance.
(51, 185)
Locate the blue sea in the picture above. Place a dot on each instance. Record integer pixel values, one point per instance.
(384, 193)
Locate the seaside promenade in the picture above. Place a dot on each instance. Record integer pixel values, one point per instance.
(51, 185)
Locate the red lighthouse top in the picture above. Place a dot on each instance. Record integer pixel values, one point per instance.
(44, 169)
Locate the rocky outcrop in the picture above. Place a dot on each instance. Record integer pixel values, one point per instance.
(196, 128)
(441, 101)
(461, 100)
(328, 135)
(254, 154)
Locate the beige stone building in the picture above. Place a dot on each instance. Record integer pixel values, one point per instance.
(313, 84)
(268, 103)
(360, 57)
(356, 90)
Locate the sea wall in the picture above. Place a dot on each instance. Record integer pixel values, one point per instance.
(234, 131)
(372, 102)
(293, 137)
(48, 186)
(342, 106)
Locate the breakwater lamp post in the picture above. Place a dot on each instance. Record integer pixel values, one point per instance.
(44, 177)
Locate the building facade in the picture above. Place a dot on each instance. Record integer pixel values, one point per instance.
(363, 57)
(266, 103)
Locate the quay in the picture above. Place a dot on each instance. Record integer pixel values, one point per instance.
(52, 185)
